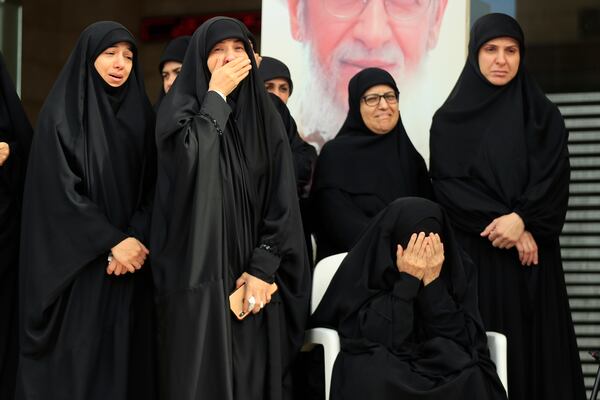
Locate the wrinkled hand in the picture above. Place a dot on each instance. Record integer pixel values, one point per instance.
(256, 288)
(504, 231)
(4, 152)
(412, 260)
(527, 248)
(226, 76)
(130, 253)
(434, 254)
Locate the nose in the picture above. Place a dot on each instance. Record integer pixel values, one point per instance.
(229, 55)
(169, 82)
(383, 104)
(501, 59)
(373, 27)
(119, 61)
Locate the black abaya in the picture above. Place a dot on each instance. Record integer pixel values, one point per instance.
(226, 203)
(88, 187)
(497, 150)
(400, 339)
(16, 131)
(359, 172)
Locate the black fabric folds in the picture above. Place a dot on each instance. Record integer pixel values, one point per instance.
(16, 131)
(359, 173)
(271, 68)
(225, 204)
(89, 186)
(497, 150)
(175, 51)
(401, 339)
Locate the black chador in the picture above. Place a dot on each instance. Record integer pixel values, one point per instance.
(88, 188)
(226, 204)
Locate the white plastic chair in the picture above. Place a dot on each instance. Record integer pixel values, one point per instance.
(498, 349)
(330, 340)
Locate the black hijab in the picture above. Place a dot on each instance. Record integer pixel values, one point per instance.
(175, 51)
(90, 167)
(359, 161)
(272, 68)
(370, 267)
(508, 143)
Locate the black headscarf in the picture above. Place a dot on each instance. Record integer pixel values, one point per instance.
(370, 267)
(175, 51)
(225, 203)
(506, 143)
(272, 68)
(359, 161)
(16, 131)
(90, 166)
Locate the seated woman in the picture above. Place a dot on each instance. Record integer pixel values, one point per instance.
(370, 163)
(405, 306)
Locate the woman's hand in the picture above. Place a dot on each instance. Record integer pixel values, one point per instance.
(257, 290)
(226, 76)
(130, 253)
(527, 248)
(115, 267)
(4, 152)
(504, 231)
(412, 260)
(434, 254)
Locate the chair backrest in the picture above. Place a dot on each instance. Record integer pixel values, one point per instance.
(324, 271)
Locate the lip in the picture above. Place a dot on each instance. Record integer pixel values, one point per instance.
(500, 73)
(116, 77)
(367, 63)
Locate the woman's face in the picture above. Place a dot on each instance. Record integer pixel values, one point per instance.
(379, 109)
(114, 63)
(499, 60)
(224, 52)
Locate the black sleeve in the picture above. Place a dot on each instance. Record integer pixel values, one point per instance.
(338, 218)
(440, 316)
(388, 318)
(543, 204)
(305, 157)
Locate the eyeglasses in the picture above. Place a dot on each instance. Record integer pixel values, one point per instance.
(373, 99)
(399, 10)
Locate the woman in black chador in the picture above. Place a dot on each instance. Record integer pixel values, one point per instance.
(370, 163)
(86, 199)
(15, 139)
(226, 214)
(500, 167)
(404, 302)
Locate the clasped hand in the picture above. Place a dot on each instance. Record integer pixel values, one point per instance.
(508, 231)
(127, 256)
(422, 258)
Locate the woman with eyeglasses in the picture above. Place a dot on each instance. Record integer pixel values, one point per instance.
(500, 168)
(369, 164)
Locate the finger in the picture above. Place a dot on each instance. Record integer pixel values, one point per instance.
(144, 248)
(488, 229)
(399, 251)
(111, 267)
(419, 241)
(411, 243)
(521, 252)
(535, 257)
